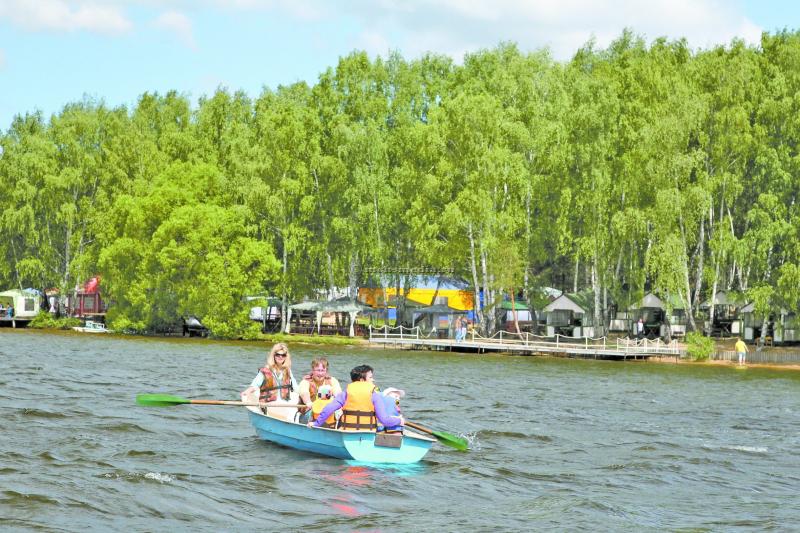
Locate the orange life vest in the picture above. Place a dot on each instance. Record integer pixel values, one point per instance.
(270, 388)
(316, 409)
(358, 412)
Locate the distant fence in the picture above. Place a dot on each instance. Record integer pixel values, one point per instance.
(528, 342)
(760, 357)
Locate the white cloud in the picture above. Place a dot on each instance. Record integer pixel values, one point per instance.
(65, 15)
(2, 59)
(179, 24)
(455, 26)
(301, 9)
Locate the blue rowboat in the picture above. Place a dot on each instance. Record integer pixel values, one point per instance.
(357, 445)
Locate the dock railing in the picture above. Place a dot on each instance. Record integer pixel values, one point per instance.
(528, 342)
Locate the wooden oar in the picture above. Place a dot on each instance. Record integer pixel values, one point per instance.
(168, 400)
(445, 438)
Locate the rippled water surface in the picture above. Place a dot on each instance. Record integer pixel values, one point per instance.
(557, 444)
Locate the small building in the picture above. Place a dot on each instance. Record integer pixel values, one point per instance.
(505, 316)
(268, 312)
(653, 312)
(24, 305)
(336, 317)
(86, 302)
(726, 321)
(192, 327)
(571, 315)
(438, 320)
(380, 293)
(783, 327)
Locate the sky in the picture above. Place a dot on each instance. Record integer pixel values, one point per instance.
(53, 52)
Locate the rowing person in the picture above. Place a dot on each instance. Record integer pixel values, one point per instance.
(275, 381)
(313, 382)
(361, 404)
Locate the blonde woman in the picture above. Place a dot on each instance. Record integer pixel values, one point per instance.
(275, 381)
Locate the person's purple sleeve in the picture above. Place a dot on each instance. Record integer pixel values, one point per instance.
(380, 412)
(328, 410)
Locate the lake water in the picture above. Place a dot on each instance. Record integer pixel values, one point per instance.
(556, 444)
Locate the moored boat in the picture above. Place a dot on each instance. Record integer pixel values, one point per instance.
(92, 327)
(363, 446)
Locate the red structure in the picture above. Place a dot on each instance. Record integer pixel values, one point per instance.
(86, 301)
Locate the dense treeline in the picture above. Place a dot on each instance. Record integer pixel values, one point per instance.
(627, 168)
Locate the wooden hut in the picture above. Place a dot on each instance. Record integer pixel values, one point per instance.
(505, 316)
(571, 314)
(783, 326)
(653, 312)
(727, 321)
(86, 301)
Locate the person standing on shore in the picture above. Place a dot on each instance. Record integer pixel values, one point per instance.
(741, 350)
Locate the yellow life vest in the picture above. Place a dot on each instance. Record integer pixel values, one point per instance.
(358, 412)
(316, 409)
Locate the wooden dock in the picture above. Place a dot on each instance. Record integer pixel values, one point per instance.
(528, 344)
(14, 322)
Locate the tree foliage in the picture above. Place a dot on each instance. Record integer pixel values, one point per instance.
(631, 168)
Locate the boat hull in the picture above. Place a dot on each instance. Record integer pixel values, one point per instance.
(356, 445)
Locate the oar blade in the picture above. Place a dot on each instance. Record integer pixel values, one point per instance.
(160, 400)
(451, 440)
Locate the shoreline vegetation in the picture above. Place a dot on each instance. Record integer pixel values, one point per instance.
(333, 340)
(641, 167)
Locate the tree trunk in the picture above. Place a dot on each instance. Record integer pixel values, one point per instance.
(284, 295)
(577, 269)
(765, 323)
(514, 310)
(698, 284)
(597, 322)
(476, 307)
(488, 295)
(711, 309)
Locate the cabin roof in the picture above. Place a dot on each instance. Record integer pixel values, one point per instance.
(518, 305)
(440, 309)
(651, 300)
(334, 306)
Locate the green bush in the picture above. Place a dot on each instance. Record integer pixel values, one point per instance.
(45, 320)
(698, 346)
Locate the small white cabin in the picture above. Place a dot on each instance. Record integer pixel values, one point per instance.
(25, 304)
(653, 312)
(569, 315)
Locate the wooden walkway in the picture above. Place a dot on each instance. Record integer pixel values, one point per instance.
(14, 322)
(528, 344)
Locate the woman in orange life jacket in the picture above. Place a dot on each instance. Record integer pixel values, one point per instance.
(274, 381)
(361, 404)
(311, 384)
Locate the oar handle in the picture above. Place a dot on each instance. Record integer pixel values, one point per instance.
(418, 427)
(245, 404)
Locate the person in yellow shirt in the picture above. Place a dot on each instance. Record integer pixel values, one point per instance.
(741, 350)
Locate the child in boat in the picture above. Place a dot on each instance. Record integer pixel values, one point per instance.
(361, 404)
(391, 401)
(324, 397)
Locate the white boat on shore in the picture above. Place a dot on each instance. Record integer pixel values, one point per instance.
(93, 327)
